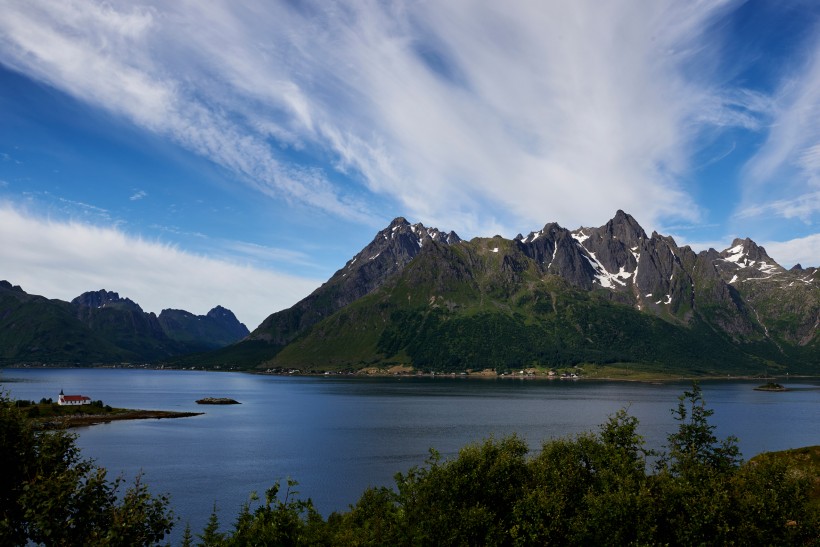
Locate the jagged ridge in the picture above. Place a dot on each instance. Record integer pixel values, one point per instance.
(615, 269)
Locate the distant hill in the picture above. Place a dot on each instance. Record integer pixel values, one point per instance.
(100, 327)
(36, 329)
(607, 295)
(218, 328)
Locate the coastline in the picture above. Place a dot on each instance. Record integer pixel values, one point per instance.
(600, 373)
(84, 420)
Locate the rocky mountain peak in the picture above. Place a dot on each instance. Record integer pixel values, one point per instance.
(549, 230)
(745, 253)
(749, 248)
(219, 312)
(6, 285)
(397, 222)
(400, 242)
(624, 227)
(391, 250)
(226, 317)
(613, 250)
(102, 298)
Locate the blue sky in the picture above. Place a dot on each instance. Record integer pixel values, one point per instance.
(188, 154)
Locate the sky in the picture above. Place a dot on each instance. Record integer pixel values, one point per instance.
(189, 154)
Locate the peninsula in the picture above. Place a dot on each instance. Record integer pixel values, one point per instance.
(50, 415)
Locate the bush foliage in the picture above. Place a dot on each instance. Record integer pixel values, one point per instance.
(601, 488)
(593, 489)
(50, 495)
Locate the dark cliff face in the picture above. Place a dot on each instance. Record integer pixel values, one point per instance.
(103, 298)
(218, 328)
(123, 322)
(555, 250)
(616, 244)
(643, 271)
(227, 321)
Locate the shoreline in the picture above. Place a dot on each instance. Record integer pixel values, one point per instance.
(85, 420)
(406, 372)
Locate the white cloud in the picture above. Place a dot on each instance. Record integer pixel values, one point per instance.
(138, 195)
(803, 250)
(469, 114)
(64, 259)
(263, 254)
(784, 175)
(113, 55)
(801, 207)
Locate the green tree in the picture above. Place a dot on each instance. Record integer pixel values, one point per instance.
(694, 448)
(187, 536)
(50, 495)
(468, 500)
(376, 519)
(289, 521)
(692, 485)
(592, 489)
(587, 490)
(211, 536)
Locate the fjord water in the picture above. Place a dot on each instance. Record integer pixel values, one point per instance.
(338, 435)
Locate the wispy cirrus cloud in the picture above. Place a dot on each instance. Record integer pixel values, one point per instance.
(466, 114)
(264, 254)
(112, 55)
(784, 175)
(138, 195)
(63, 259)
(803, 207)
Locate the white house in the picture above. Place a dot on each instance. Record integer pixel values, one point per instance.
(72, 399)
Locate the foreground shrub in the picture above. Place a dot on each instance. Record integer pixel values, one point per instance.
(592, 489)
(50, 495)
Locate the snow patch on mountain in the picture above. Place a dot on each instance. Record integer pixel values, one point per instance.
(606, 279)
(579, 236)
(737, 255)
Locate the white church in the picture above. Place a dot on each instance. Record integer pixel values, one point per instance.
(72, 399)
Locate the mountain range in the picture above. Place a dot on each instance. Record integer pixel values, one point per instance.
(611, 295)
(420, 297)
(101, 327)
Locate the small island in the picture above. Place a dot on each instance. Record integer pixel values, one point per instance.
(217, 401)
(84, 412)
(771, 386)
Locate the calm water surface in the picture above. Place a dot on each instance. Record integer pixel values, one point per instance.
(337, 436)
